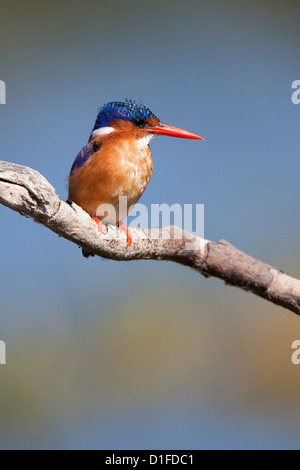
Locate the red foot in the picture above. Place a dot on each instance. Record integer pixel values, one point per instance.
(98, 223)
(127, 231)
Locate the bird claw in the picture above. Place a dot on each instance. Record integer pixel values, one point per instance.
(98, 223)
(122, 226)
(127, 231)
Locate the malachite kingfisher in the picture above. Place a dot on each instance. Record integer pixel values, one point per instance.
(117, 161)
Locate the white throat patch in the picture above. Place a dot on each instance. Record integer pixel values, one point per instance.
(144, 141)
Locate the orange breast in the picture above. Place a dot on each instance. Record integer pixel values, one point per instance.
(121, 167)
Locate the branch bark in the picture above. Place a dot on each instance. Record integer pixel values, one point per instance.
(29, 193)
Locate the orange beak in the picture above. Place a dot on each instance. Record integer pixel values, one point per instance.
(165, 129)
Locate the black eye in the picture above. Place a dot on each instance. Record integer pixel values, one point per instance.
(139, 122)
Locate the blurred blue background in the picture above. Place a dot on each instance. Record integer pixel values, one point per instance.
(110, 355)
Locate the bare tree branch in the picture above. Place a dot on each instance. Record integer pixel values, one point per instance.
(29, 193)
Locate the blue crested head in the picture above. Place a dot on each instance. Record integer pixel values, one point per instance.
(136, 113)
(128, 110)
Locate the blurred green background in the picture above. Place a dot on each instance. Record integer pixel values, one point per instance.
(151, 355)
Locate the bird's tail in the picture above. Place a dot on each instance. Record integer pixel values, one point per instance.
(86, 253)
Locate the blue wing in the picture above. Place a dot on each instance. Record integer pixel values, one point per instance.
(84, 155)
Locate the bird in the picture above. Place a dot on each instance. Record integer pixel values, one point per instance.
(117, 162)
